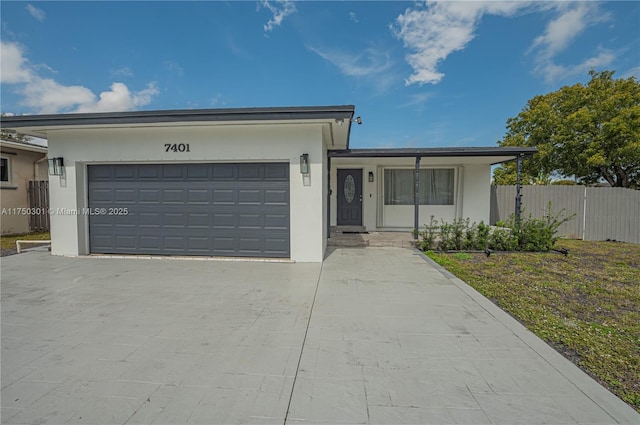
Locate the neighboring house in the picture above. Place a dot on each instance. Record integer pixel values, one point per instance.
(20, 163)
(257, 182)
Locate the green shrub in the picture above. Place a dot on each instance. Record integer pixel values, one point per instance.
(428, 236)
(527, 234)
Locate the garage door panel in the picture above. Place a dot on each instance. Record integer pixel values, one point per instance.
(198, 172)
(249, 196)
(276, 197)
(276, 221)
(125, 172)
(221, 220)
(174, 220)
(102, 196)
(191, 209)
(125, 196)
(173, 172)
(251, 172)
(224, 196)
(276, 245)
(250, 221)
(224, 172)
(126, 241)
(198, 221)
(198, 196)
(174, 196)
(149, 172)
(149, 243)
(150, 219)
(129, 220)
(276, 172)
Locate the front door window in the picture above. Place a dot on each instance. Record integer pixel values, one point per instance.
(349, 188)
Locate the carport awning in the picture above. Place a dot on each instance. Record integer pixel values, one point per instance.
(499, 154)
(496, 154)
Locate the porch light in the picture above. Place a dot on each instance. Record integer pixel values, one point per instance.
(56, 166)
(304, 164)
(370, 176)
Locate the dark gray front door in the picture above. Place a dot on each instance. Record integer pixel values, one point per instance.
(349, 197)
(190, 209)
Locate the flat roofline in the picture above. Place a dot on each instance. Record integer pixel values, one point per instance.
(434, 152)
(181, 115)
(23, 146)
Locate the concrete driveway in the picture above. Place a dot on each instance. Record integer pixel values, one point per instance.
(372, 336)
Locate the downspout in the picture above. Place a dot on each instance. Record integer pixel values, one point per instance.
(416, 200)
(328, 196)
(35, 165)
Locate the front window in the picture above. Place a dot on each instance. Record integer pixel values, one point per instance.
(4, 170)
(436, 186)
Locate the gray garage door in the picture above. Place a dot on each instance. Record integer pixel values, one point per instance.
(190, 209)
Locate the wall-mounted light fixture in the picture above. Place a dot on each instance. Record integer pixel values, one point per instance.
(358, 120)
(304, 163)
(370, 176)
(56, 166)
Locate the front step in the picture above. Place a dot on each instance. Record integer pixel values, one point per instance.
(348, 229)
(379, 239)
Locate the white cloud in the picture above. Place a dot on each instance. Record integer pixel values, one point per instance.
(124, 71)
(633, 72)
(119, 98)
(417, 99)
(572, 20)
(370, 61)
(280, 10)
(45, 95)
(13, 65)
(553, 72)
(353, 17)
(371, 64)
(37, 14)
(434, 30)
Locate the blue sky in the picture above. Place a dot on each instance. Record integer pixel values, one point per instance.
(420, 74)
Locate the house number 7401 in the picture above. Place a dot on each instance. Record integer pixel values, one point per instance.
(176, 147)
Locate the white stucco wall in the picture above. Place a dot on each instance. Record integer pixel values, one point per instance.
(476, 188)
(471, 197)
(224, 143)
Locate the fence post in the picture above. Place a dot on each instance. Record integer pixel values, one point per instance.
(584, 214)
(518, 187)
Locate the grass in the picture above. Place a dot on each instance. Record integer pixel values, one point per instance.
(9, 242)
(585, 305)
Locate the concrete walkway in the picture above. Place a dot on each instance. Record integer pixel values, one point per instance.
(375, 335)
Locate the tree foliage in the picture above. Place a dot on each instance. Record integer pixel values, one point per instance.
(591, 132)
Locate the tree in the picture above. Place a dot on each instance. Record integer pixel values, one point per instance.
(590, 132)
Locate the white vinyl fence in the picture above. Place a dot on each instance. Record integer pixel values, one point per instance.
(601, 213)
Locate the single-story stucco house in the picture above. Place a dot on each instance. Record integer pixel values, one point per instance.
(20, 163)
(256, 182)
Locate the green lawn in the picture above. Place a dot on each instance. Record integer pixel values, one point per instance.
(586, 305)
(9, 242)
